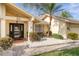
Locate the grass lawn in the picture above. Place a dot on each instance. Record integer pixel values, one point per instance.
(66, 52)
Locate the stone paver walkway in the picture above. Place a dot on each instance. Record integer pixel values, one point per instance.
(38, 50)
(49, 41)
(23, 50)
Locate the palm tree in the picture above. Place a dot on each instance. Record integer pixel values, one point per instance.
(49, 9)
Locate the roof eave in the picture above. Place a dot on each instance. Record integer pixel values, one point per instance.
(19, 9)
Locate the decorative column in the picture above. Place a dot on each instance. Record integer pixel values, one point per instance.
(3, 28)
(30, 29)
(2, 20)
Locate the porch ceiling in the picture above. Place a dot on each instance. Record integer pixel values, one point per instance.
(11, 8)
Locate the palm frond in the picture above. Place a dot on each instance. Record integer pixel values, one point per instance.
(51, 6)
(66, 14)
(57, 9)
(44, 10)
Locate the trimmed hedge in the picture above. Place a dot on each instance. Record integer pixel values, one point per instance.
(41, 34)
(6, 42)
(49, 33)
(57, 36)
(34, 36)
(73, 36)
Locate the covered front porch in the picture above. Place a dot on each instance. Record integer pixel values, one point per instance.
(18, 24)
(14, 22)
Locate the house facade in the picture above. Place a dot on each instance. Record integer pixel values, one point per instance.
(17, 23)
(62, 25)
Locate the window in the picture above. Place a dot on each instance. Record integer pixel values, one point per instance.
(38, 28)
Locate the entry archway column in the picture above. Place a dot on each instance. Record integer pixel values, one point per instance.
(30, 29)
(2, 20)
(3, 28)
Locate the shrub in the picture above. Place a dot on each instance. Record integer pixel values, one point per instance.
(6, 42)
(34, 36)
(72, 36)
(49, 33)
(41, 34)
(57, 36)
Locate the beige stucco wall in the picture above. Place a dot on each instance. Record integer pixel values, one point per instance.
(45, 28)
(54, 25)
(58, 26)
(63, 29)
(11, 21)
(73, 28)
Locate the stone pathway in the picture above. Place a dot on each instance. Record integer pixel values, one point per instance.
(49, 41)
(23, 50)
(38, 50)
(16, 50)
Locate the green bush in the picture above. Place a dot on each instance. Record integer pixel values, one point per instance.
(6, 42)
(57, 36)
(49, 33)
(72, 36)
(41, 34)
(34, 36)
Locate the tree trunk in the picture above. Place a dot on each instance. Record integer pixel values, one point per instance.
(49, 34)
(50, 22)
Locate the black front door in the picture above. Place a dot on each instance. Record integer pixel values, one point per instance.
(16, 30)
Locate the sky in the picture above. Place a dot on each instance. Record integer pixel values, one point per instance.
(73, 8)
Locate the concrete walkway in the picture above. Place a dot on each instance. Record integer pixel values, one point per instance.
(44, 46)
(40, 47)
(38, 50)
(49, 41)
